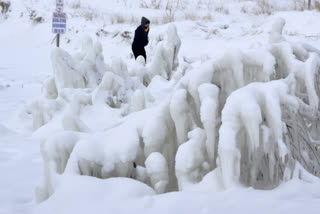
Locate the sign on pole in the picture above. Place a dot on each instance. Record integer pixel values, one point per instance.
(59, 20)
(59, 6)
(59, 23)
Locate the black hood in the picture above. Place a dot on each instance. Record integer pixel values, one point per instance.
(144, 21)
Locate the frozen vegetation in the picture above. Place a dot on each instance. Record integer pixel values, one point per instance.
(249, 117)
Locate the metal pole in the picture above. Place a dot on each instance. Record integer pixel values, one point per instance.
(58, 40)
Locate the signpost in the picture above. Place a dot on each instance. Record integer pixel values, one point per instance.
(59, 20)
(59, 23)
(59, 6)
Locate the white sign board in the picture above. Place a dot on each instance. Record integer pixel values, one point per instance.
(59, 5)
(59, 23)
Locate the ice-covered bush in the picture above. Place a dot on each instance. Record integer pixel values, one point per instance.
(157, 170)
(56, 153)
(85, 70)
(111, 91)
(247, 117)
(165, 60)
(67, 72)
(82, 80)
(69, 101)
(192, 159)
(140, 71)
(251, 147)
(273, 117)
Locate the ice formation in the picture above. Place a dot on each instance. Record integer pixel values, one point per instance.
(157, 169)
(166, 55)
(248, 117)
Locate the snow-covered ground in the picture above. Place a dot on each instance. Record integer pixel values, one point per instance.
(25, 64)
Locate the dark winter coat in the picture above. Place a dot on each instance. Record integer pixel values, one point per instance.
(140, 39)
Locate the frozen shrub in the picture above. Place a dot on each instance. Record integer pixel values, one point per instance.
(209, 117)
(67, 72)
(85, 70)
(43, 110)
(138, 102)
(166, 56)
(56, 153)
(91, 58)
(49, 89)
(140, 72)
(191, 160)
(247, 117)
(181, 115)
(111, 91)
(157, 170)
(276, 31)
(259, 121)
(266, 121)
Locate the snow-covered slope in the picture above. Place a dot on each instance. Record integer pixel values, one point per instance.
(222, 105)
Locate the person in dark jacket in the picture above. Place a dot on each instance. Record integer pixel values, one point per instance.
(141, 39)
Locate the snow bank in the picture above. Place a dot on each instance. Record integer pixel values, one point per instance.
(122, 195)
(88, 194)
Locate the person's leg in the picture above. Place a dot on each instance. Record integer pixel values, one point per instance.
(143, 53)
(135, 52)
(139, 52)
